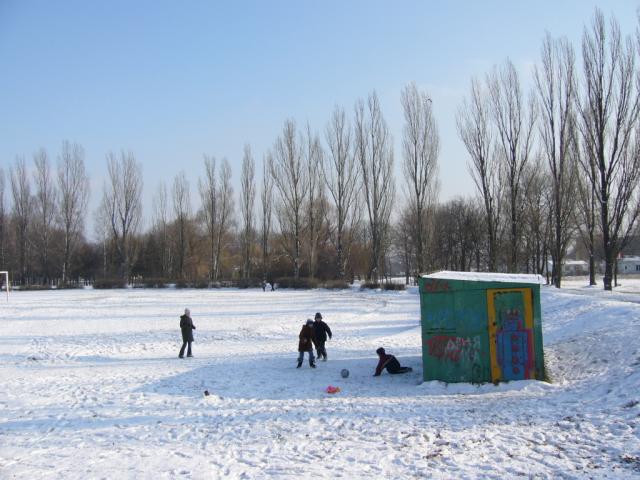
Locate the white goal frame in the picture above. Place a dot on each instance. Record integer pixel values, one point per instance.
(6, 282)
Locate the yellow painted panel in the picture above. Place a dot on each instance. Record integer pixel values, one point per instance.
(527, 298)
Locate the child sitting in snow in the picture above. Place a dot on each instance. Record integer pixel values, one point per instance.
(389, 362)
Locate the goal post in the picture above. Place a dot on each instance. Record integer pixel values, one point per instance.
(6, 282)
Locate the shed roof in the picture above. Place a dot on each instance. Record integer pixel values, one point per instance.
(487, 277)
(629, 258)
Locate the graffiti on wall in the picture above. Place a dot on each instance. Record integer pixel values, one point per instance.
(434, 286)
(454, 349)
(514, 345)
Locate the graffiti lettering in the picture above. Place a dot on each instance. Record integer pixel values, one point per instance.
(433, 286)
(454, 349)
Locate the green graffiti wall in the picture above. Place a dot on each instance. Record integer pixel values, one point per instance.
(480, 331)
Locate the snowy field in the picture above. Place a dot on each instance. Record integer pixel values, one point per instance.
(91, 387)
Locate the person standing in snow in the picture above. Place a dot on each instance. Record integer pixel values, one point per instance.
(389, 362)
(320, 331)
(305, 343)
(187, 327)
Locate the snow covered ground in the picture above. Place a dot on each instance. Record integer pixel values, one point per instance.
(91, 387)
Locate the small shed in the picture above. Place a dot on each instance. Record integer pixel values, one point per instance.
(481, 327)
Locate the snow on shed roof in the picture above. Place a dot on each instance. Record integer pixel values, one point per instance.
(487, 277)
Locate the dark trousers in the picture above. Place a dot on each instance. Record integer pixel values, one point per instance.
(322, 352)
(400, 370)
(393, 366)
(184, 344)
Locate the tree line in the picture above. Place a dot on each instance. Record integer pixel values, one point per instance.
(555, 169)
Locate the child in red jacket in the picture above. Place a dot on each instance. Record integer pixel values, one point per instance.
(305, 343)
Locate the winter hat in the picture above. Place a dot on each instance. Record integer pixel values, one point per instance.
(187, 312)
(318, 315)
(309, 321)
(380, 351)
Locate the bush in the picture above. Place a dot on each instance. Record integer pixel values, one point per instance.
(105, 283)
(335, 284)
(32, 288)
(183, 284)
(296, 283)
(202, 284)
(150, 282)
(370, 285)
(70, 286)
(249, 283)
(394, 286)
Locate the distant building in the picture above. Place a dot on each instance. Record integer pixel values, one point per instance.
(628, 264)
(572, 267)
(575, 267)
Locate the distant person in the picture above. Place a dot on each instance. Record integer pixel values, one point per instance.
(320, 331)
(264, 286)
(305, 344)
(389, 362)
(187, 327)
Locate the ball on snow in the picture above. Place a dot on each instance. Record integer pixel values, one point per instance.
(344, 372)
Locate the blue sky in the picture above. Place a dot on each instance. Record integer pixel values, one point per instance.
(171, 81)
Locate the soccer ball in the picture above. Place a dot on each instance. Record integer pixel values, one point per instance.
(344, 372)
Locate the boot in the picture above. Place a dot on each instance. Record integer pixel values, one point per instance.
(312, 365)
(299, 364)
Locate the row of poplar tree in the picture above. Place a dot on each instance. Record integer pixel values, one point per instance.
(556, 169)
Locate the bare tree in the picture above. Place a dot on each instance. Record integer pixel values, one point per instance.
(316, 200)
(161, 225)
(45, 210)
(122, 201)
(266, 201)
(586, 214)
(556, 86)
(341, 177)
(475, 131)
(538, 196)
(609, 114)
(290, 179)
(420, 147)
(182, 214)
(247, 201)
(209, 196)
(458, 234)
(514, 127)
(403, 238)
(374, 153)
(22, 213)
(102, 229)
(225, 212)
(73, 187)
(3, 222)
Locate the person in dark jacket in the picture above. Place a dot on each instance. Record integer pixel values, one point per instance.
(187, 327)
(389, 362)
(321, 330)
(305, 343)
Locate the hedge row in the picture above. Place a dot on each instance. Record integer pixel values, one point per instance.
(284, 282)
